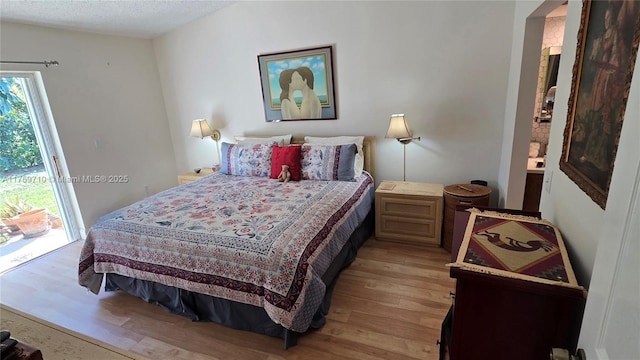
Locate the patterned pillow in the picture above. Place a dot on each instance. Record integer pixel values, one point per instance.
(287, 155)
(342, 140)
(328, 162)
(247, 160)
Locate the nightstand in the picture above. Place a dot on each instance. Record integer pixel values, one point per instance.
(409, 212)
(192, 176)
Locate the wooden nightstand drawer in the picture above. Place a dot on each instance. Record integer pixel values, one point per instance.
(409, 212)
(404, 206)
(422, 231)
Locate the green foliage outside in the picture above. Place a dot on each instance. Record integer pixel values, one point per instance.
(6, 95)
(18, 146)
(11, 208)
(29, 187)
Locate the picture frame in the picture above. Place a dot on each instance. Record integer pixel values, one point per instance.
(298, 84)
(606, 52)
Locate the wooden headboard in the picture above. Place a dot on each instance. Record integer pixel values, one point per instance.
(368, 147)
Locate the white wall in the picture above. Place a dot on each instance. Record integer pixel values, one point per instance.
(105, 90)
(443, 64)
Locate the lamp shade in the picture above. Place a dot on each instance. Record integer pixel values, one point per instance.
(398, 128)
(200, 128)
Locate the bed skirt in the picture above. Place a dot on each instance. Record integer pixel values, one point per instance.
(201, 307)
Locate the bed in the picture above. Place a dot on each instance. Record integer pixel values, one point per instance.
(248, 252)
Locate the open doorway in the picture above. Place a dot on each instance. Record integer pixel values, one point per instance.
(542, 116)
(38, 211)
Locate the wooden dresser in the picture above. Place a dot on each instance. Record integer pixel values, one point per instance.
(498, 315)
(409, 212)
(460, 194)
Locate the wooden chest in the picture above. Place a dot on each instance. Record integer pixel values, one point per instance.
(516, 296)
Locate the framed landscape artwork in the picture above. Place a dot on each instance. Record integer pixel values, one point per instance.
(605, 58)
(298, 85)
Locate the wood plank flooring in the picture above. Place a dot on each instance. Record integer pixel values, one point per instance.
(389, 304)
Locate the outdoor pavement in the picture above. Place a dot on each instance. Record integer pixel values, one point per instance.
(19, 250)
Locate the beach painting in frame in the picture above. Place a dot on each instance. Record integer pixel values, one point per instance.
(606, 53)
(298, 85)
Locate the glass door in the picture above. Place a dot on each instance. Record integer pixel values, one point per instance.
(38, 208)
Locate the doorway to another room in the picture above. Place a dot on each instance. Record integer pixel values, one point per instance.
(38, 211)
(551, 50)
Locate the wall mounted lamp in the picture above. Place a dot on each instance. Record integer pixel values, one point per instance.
(399, 130)
(200, 128)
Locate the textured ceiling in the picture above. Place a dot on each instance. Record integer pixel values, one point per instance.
(138, 18)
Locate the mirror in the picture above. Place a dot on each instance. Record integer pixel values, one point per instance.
(550, 60)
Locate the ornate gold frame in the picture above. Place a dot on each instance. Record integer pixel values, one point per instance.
(599, 93)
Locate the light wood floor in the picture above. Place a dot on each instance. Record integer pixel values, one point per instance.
(389, 304)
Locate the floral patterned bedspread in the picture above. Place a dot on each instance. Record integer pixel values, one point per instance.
(248, 239)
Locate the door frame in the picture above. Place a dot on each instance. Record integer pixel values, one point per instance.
(51, 150)
(608, 282)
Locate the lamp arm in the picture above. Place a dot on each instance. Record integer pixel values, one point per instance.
(407, 140)
(216, 137)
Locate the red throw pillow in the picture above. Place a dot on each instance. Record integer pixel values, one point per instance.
(287, 155)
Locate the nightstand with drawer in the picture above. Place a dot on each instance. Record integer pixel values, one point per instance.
(409, 212)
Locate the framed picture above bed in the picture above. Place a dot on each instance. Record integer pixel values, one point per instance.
(298, 85)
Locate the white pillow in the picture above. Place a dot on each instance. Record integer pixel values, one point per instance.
(342, 140)
(283, 140)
